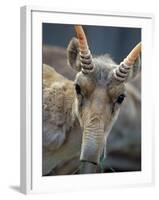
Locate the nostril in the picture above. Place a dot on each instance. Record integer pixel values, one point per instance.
(88, 167)
(60, 125)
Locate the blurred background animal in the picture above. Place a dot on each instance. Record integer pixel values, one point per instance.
(124, 142)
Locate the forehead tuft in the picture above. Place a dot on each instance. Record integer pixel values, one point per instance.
(103, 68)
(102, 73)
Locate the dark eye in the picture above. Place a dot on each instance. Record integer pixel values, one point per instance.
(120, 98)
(78, 89)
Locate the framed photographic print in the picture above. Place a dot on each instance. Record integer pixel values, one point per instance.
(86, 87)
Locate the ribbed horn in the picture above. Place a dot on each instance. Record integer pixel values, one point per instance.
(122, 72)
(85, 54)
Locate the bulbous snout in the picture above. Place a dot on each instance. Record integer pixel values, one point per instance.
(93, 142)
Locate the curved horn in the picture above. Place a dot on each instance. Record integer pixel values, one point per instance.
(122, 72)
(85, 54)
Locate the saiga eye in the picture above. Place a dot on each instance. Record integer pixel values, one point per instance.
(120, 98)
(78, 89)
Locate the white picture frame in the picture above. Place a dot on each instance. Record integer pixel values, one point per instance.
(31, 110)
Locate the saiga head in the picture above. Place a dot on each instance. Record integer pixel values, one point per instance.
(100, 91)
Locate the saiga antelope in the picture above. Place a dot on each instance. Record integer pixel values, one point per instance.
(86, 109)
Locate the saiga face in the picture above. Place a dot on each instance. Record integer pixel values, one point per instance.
(100, 91)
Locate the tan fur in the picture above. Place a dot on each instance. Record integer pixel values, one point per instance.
(61, 133)
(59, 122)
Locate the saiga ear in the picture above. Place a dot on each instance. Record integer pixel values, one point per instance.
(135, 69)
(78, 53)
(73, 57)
